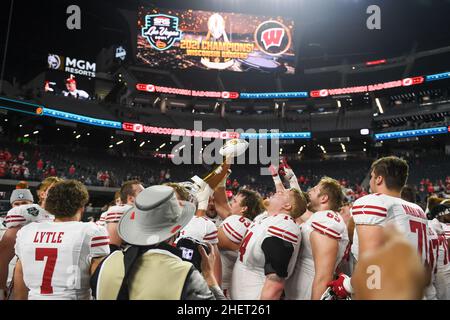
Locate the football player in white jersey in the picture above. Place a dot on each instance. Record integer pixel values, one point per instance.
(268, 252)
(200, 228)
(117, 202)
(128, 193)
(384, 206)
(56, 258)
(22, 213)
(324, 240)
(441, 249)
(244, 207)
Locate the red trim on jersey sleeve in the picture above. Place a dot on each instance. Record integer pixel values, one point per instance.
(232, 233)
(99, 244)
(374, 213)
(274, 231)
(13, 216)
(211, 236)
(370, 207)
(99, 238)
(325, 230)
(16, 220)
(285, 231)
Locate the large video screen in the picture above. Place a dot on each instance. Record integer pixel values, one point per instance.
(189, 39)
(68, 85)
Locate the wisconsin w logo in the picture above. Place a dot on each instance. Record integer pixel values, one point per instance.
(272, 37)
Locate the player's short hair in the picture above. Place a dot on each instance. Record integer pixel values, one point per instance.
(409, 193)
(333, 190)
(393, 170)
(47, 182)
(181, 191)
(65, 198)
(298, 203)
(253, 201)
(127, 189)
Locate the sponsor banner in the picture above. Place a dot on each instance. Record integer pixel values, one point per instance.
(192, 39)
(71, 65)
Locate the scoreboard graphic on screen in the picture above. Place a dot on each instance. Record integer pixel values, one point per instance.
(189, 39)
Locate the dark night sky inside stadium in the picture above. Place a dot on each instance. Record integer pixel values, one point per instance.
(325, 31)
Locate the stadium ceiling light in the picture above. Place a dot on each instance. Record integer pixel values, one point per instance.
(119, 142)
(36, 132)
(339, 103)
(110, 146)
(142, 144)
(157, 149)
(20, 126)
(6, 120)
(134, 140)
(78, 136)
(88, 134)
(380, 108)
(58, 129)
(26, 135)
(112, 137)
(162, 146)
(364, 149)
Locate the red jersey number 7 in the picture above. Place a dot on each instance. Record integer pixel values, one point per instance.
(52, 255)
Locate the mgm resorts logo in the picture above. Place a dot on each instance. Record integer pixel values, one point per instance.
(71, 65)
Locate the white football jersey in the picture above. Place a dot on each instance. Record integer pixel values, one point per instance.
(217, 220)
(56, 258)
(25, 214)
(446, 228)
(102, 221)
(200, 229)
(234, 227)
(329, 223)
(441, 272)
(19, 217)
(380, 209)
(114, 213)
(433, 254)
(260, 217)
(248, 273)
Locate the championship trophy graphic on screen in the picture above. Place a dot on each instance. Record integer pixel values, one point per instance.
(216, 33)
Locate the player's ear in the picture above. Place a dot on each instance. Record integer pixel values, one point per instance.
(287, 206)
(379, 180)
(244, 209)
(324, 198)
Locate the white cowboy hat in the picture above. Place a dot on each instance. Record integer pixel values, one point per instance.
(155, 217)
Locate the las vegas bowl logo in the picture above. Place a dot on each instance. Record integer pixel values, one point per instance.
(273, 38)
(54, 61)
(161, 31)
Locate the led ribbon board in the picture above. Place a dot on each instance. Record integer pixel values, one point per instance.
(411, 133)
(277, 135)
(273, 95)
(80, 119)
